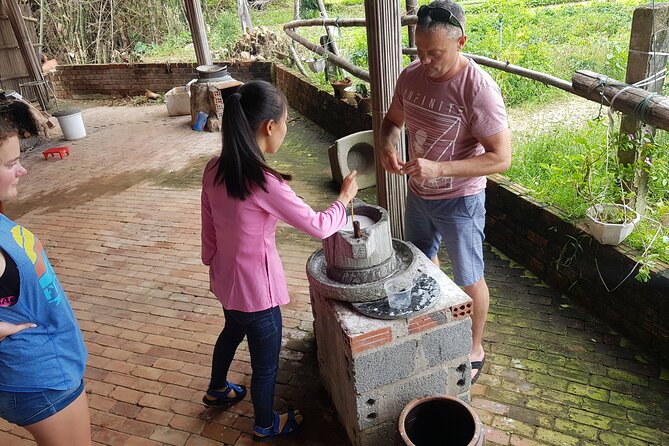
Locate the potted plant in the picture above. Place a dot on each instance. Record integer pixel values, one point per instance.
(339, 82)
(363, 98)
(605, 186)
(611, 223)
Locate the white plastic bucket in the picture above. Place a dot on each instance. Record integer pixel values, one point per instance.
(177, 101)
(71, 123)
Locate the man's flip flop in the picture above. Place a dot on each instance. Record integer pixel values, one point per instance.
(222, 398)
(477, 365)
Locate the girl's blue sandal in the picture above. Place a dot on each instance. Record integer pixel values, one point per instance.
(268, 433)
(222, 397)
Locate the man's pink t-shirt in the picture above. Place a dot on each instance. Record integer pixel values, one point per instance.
(445, 120)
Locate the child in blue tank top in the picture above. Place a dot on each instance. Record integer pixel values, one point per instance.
(42, 351)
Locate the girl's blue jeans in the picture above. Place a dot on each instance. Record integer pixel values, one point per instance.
(263, 332)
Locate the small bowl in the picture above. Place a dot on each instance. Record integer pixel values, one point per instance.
(398, 290)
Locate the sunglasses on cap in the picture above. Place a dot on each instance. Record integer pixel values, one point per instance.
(439, 14)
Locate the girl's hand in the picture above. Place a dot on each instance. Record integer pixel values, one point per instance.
(7, 329)
(349, 187)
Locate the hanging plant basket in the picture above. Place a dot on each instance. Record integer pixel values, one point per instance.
(316, 65)
(610, 224)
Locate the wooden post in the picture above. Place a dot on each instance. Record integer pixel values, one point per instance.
(384, 42)
(412, 9)
(244, 16)
(291, 47)
(27, 51)
(198, 31)
(650, 26)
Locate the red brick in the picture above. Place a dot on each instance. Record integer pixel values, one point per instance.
(188, 424)
(156, 401)
(125, 410)
(112, 438)
(187, 408)
(138, 441)
(370, 340)
(126, 395)
(176, 378)
(179, 392)
(138, 428)
(221, 433)
(167, 435)
(496, 436)
(155, 416)
(168, 364)
(104, 419)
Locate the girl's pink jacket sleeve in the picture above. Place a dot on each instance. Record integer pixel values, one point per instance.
(238, 240)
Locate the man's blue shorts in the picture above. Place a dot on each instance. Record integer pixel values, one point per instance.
(459, 222)
(26, 408)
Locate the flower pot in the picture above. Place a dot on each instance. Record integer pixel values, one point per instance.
(316, 65)
(349, 95)
(611, 233)
(364, 103)
(340, 85)
(438, 420)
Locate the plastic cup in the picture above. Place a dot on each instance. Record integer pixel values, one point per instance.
(398, 290)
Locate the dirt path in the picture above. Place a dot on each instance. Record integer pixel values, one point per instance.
(574, 111)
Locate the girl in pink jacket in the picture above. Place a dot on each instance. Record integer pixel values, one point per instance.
(242, 200)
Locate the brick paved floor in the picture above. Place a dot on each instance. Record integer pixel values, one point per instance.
(120, 222)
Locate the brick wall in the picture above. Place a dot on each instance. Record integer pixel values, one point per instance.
(120, 80)
(330, 113)
(539, 237)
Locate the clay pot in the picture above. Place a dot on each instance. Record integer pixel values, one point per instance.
(438, 420)
(364, 103)
(340, 85)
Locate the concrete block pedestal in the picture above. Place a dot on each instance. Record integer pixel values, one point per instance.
(372, 367)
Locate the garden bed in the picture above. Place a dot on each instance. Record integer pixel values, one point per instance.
(540, 238)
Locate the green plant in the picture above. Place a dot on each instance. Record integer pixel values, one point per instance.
(362, 90)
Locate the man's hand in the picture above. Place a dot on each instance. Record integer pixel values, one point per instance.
(391, 161)
(7, 329)
(422, 169)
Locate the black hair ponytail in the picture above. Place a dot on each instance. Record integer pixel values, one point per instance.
(242, 164)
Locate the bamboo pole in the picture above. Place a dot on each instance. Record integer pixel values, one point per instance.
(504, 66)
(27, 51)
(328, 29)
(293, 51)
(336, 60)
(384, 42)
(198, 31)
(623, 97)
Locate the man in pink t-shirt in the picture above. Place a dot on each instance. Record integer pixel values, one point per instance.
(458, 134)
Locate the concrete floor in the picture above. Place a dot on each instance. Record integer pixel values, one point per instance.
(120, 222)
